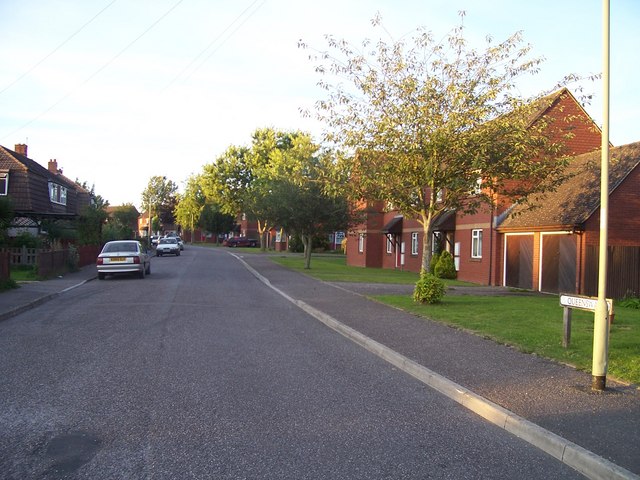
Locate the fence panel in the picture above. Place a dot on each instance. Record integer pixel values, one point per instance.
(623, 271)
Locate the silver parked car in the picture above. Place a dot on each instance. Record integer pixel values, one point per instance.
(123, 256)
(168, 245)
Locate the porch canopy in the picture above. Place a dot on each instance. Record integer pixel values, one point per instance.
(445, 221)
(393, 227)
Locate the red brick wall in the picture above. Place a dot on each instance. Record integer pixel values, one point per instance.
(624, 219)
(570, 118)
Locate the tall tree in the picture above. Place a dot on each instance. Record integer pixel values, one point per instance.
(428, 123)
(159, 197)
(6, 217)
(240, 179)
(125, 220)
(190, 205)
(215, 221)
(305, 207)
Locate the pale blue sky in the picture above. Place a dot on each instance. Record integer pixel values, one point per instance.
(162, 87)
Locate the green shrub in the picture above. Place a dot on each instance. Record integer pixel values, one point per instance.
(8, 284)
(630, 302)
(434, 261)
(445, 267)
(429, 289)
(25, 239)
(73, 259)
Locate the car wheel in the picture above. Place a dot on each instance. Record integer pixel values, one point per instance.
(100, 276)
(159, 254)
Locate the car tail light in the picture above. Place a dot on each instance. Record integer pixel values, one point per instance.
(99, 261)
(136, 260)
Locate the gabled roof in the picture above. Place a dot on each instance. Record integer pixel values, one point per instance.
(8, 159)
(545, 104)
(577, 198)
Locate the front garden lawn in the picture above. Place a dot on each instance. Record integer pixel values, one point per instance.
(531, 323)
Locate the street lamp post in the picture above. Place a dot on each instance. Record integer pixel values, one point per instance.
(601, 316)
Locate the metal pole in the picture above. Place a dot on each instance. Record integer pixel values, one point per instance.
(601, 323)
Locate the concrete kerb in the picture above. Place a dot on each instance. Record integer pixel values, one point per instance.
(580, 459)
(39, 301)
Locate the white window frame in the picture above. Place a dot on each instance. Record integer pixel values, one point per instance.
(414, 243)
(57, 193)
(476, 243)
(4, 183)
(389, 244)
(361, 243)
(477, 188)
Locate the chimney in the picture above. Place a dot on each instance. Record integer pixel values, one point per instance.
(21, 148)
(53, 166)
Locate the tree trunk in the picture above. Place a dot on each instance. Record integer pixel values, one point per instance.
(427, 244)
(306, 242)
(262, 232)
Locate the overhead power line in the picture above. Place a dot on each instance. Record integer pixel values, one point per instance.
(99, 70)
(215, 40)
(55, 49)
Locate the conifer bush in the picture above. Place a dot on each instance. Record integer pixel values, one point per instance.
(445, 267)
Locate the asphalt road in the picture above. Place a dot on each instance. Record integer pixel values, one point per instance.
(201, 371)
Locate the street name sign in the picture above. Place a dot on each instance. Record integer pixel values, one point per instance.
(583, 303)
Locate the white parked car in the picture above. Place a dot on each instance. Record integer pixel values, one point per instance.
(123, 256)
(168, 245)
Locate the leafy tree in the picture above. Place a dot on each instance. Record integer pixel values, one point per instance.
(190, 205)
(425, 122)
(304, 203)
(90, 224)
(123, 217)
(6, 217)
(159, 198)
(213, 220)
(240, 180)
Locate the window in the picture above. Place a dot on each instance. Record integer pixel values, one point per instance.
(414, 243)
(57, 193)
(389, 244)
(477, 188)
(361, 243)
(476, 243)
(4, 183)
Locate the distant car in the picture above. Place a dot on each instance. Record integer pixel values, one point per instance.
(154, 239)
(123, 256)
(240, 242)
(168, 245)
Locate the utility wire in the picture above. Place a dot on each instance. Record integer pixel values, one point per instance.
(213, 42)
(94, 74)
(55, 49)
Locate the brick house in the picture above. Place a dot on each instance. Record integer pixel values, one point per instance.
(38, 193)
(386, 239)
(554, 248)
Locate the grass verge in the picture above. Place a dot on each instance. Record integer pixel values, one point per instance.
(332, 268)
(23, 273)
(532, 324)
